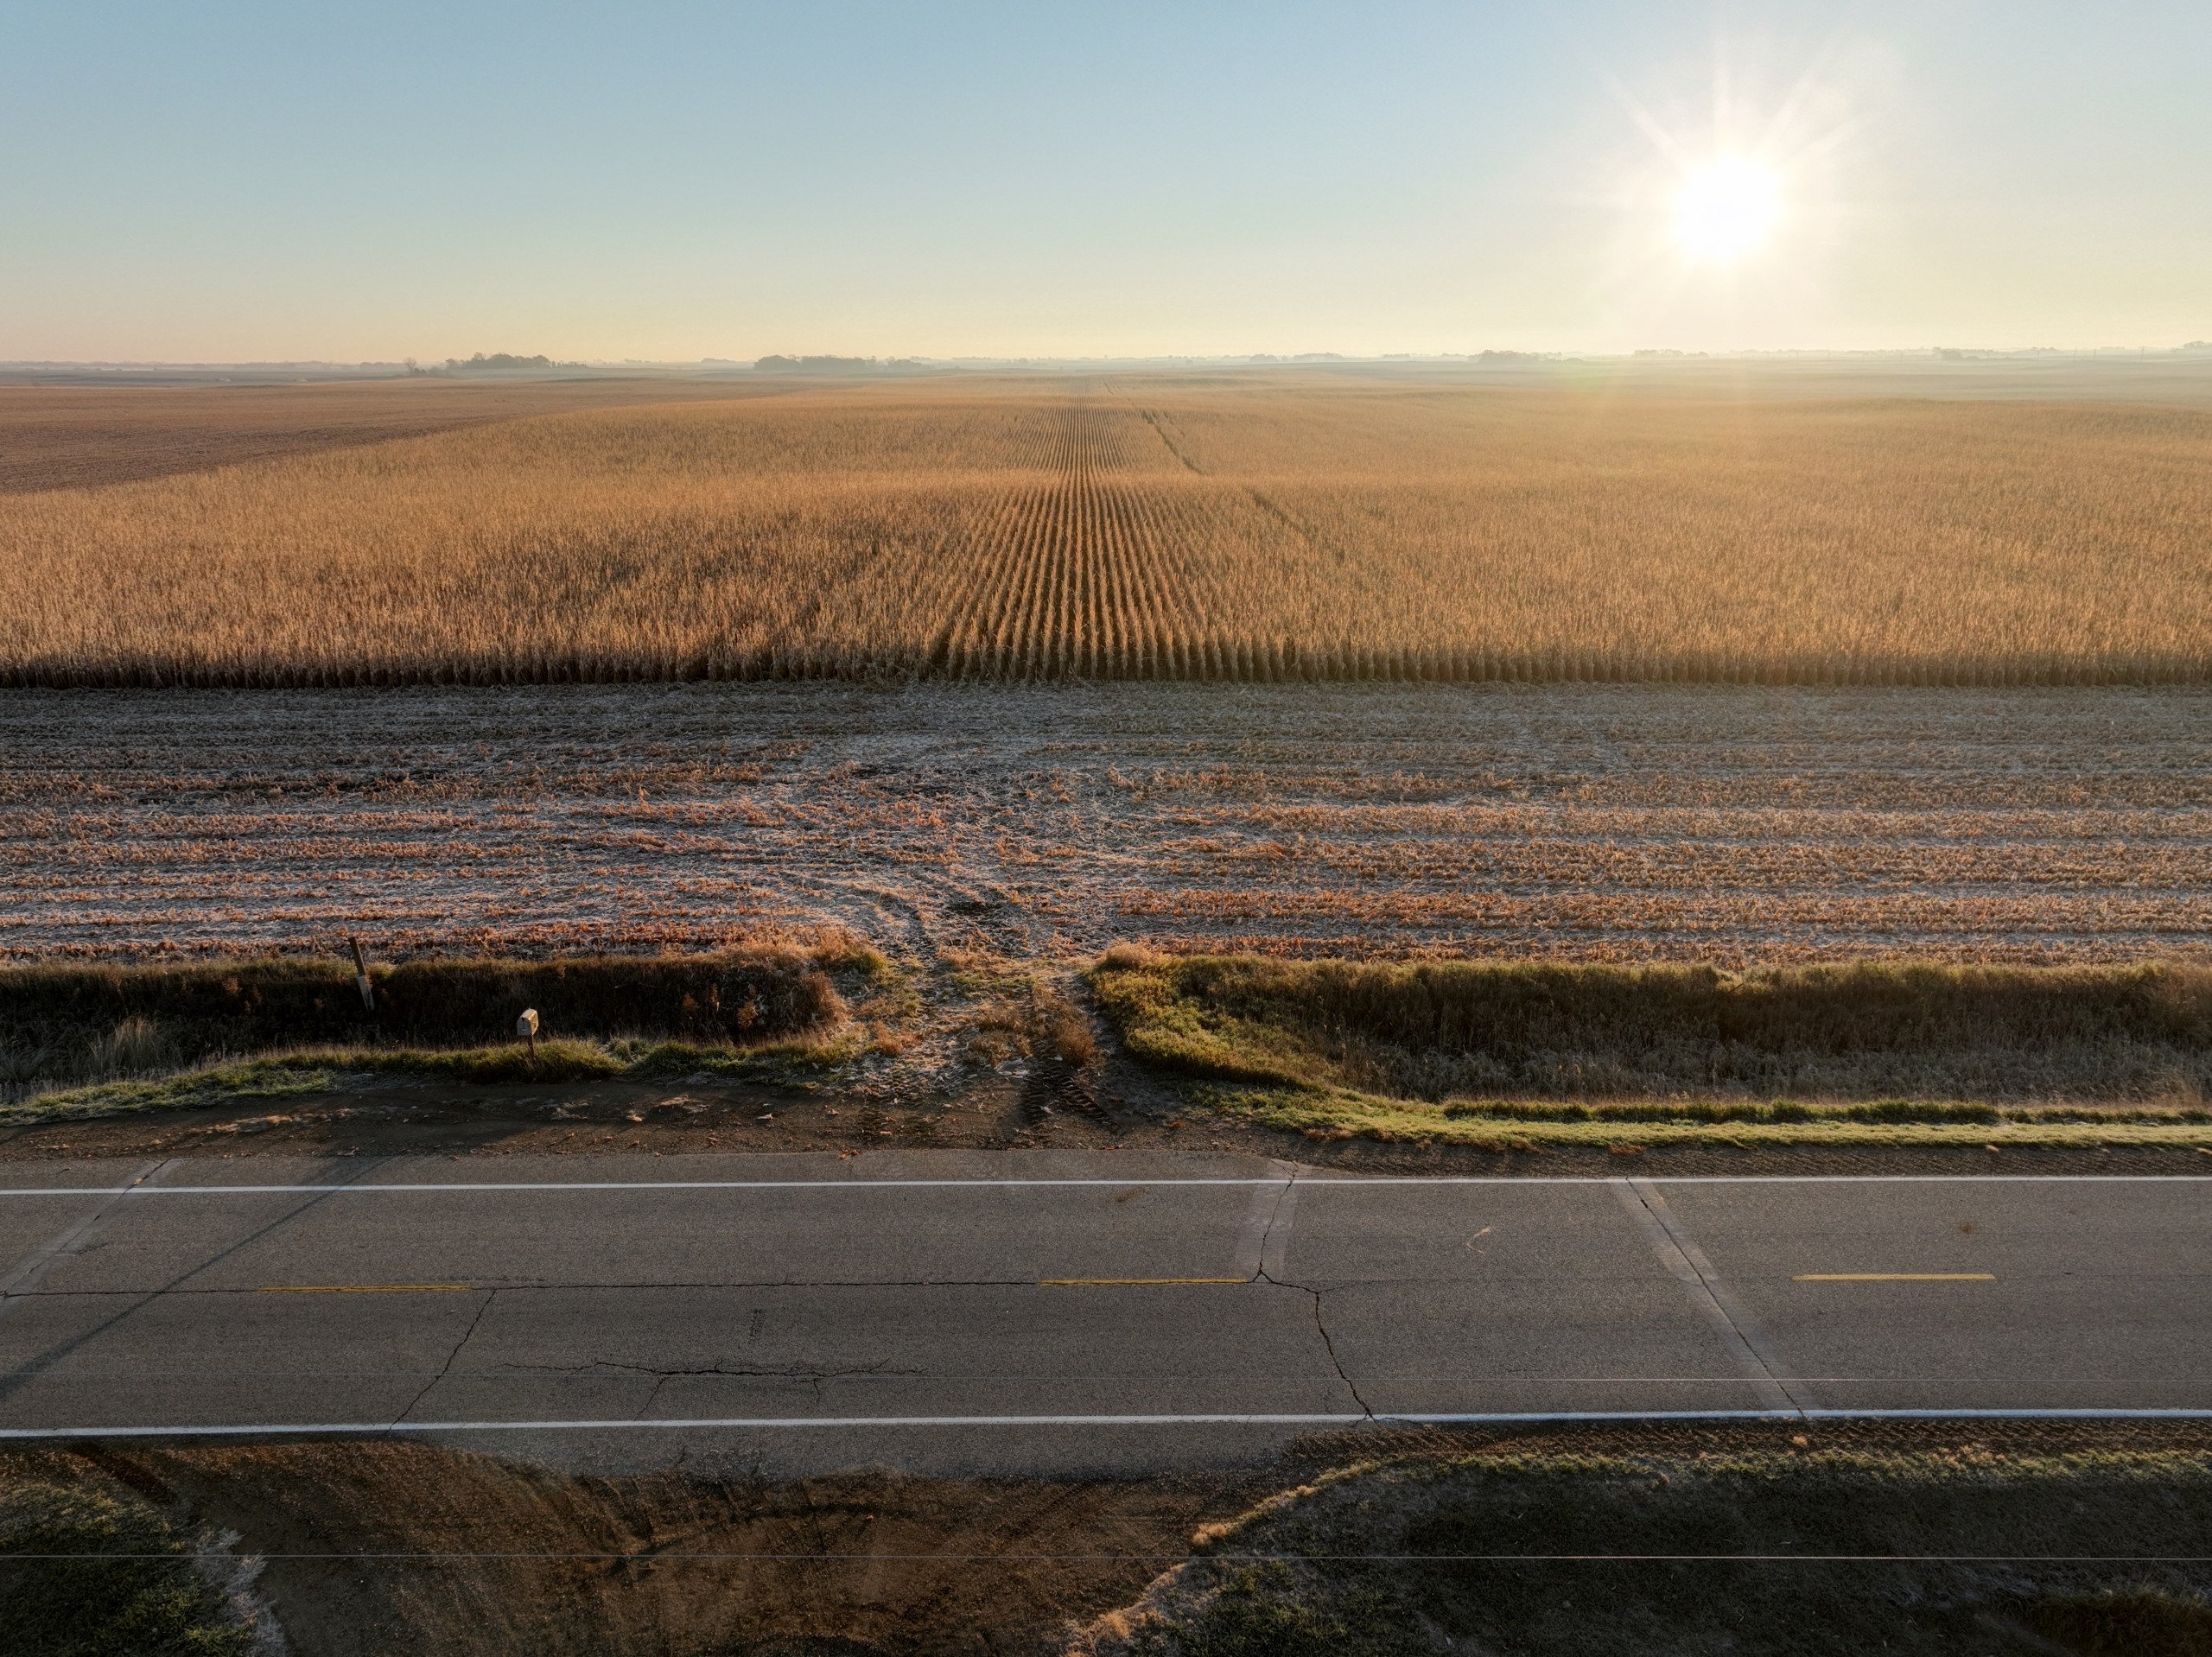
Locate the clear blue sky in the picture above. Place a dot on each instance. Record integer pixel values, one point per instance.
(223, 182)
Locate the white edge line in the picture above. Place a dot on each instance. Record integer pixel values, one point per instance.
(626, 1185)
(1381, 1418)
(1382, 1182)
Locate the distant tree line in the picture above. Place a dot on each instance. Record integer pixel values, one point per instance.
(503, 359)
(837, 364)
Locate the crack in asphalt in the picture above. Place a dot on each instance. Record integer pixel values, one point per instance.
(19, 1279)
(793, 1371)
(54, 1355)
(1328, 1343)
(445, 1368)
(1274, 1218)
(813, 1375)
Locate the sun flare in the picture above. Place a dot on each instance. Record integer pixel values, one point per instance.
(1728, 208)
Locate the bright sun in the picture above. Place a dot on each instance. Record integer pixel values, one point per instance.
(1727, 208)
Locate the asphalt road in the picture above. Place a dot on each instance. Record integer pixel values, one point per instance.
(1037, 1313)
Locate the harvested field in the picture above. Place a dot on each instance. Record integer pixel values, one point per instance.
(1729, 825)
(1246, 529)
(86, 436)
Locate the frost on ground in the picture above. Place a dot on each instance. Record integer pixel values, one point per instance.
(1732, 824)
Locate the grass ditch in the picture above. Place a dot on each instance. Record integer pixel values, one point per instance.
(1810, 1552)
(794, 1062)
(74, 1039)
(94, 1572)
(1513, 1055)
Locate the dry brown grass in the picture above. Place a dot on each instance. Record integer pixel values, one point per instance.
(73, 1023)
(1516, 1030)
(1152, 527)
(1969, 1548)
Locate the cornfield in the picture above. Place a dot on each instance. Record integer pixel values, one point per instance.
(1153, 528)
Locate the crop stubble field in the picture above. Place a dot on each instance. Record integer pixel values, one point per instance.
(1734, 824)
(75, 435)
(1274, 527)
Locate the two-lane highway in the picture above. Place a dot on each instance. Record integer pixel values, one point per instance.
(1043, 1311)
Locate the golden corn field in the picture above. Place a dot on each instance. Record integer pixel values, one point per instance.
(1152, 527)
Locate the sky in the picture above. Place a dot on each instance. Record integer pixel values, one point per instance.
(230, 182)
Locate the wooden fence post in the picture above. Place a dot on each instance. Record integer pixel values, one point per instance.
(361, 974)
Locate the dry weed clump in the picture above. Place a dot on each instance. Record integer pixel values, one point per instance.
(1068, 1031)
(1152, 529)
(1044, 1021)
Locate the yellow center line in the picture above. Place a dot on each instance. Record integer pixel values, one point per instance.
(1132, 1282)
(364, 1288)
(1895, 1277)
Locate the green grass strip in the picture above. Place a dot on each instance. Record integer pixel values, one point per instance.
(1340, 1114)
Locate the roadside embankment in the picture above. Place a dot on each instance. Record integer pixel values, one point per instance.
(1552, 1066)
(1997, 1538)
(1510, 1052)
(72, 1025)
(357, 1550)
(1788, 1550)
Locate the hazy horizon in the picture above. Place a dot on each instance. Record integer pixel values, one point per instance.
(2187, 350)
(246, 184)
